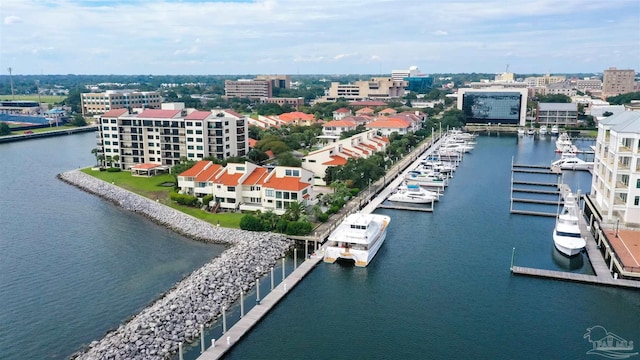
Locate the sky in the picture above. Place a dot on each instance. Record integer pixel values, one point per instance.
(317, 37)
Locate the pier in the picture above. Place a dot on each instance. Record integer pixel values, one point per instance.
(39, 135)
(563, 275)
(366, 202)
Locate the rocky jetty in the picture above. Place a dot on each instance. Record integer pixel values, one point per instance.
(198, 299)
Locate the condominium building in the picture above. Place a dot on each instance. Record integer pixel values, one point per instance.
(374, 88)
(616, 82)
(544, 80)
(561, 114)
(100, 103)
(247, 88)
(615, 188)
(248, 187)
(164, 136)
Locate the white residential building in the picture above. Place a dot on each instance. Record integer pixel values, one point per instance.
(248, 187)
(615, 188)
(337, 153)
(164, 136)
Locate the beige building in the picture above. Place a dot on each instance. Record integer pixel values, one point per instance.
(374, 88)
(100, 103)
(544, 80)
(247, 88)
(616, 82)
(277, 81)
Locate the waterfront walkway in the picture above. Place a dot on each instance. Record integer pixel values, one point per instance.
(367, 201)
(39, 135)
(602, 272)
(244, 325)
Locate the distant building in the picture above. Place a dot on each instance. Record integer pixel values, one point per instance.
(416, 81)
(247, 88)
(295, 103)
(20, 107)
(374, 88)
(562, 88)
(616, 82)
(100, 103)
(505, 77)
(277, 81)
(341, 113)
(494, 105)
(400, 75)
(544, 80)
(561, 114)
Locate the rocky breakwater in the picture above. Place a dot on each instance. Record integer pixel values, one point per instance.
(198, 299)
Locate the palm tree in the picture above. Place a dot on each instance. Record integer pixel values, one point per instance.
(100, 159)
(116, 159)
(95, 151)
(294, 211)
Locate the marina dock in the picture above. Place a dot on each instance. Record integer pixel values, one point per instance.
(568, 276)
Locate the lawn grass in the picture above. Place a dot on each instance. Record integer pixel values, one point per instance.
(152, 188)
(43, 130)
(49, 99)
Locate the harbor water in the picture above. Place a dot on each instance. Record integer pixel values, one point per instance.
(73, 266)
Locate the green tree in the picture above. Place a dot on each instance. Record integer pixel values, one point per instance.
(294, 211)
(287, 159)
(78, 120)
(4, 129)
(95, 152)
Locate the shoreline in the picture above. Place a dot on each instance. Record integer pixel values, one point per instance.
(175, 317)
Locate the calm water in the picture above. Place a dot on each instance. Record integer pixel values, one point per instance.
(440, 287)
(71, 265)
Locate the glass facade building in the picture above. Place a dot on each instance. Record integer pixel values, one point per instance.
(492, 107)
(420, 84)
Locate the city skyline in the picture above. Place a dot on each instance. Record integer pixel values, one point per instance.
(194, 37)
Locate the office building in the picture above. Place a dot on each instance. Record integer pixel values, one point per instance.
(100, 103)
(247, 88)
(374, 88)
(616, 82)
(277, 81)
(494, 105)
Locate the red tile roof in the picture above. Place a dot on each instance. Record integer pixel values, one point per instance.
(391, 123)
(365, 110)
(198, 115)
(115, 113)
(208, 173)
(343, 110)
(231, 112)
(340, 123)
(388, 111)
(196, 169)
(257, 176)
(252, 143)
(336, 160)
(296, 115)
(146, 166)
(288, 183)
(229, 179)
(159, 114)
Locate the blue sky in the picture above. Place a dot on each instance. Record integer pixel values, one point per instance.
(317, 37)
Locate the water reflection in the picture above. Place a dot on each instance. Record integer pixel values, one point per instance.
(567, 263)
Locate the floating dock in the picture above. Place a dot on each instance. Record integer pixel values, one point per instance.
(568, 276)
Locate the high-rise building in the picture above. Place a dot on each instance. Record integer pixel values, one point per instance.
(374, 88)
(615, 187)
(100, 103)
(616, 82)
(164, 136)
(277, 81)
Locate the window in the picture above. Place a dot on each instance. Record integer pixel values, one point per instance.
(231, 188)
(278, 194)
(636, 201)
(268, 192)
(638, 184)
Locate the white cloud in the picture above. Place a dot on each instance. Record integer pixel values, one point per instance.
(329, 35)
(12, 19)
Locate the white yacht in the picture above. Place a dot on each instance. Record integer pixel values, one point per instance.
(413, 193)
(564, 144)
(357, 238)
(566, 234)
(543, 130)
(555, 130)
(571, 162)
(427, 178)
(521, 131)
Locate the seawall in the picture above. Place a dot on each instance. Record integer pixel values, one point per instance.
(157, 330)
(67, 131)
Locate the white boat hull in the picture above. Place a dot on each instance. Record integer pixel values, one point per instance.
(569, 248)
(361, 257)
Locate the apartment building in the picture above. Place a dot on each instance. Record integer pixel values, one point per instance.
(374, 88)
(164, 136)
(545, 80)
(337, 153)
(615, 187)
(561, 114)
(494, 105)
(248, 88)
(616, 82)
(295, 103)
(100, 103)
(248, 187)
